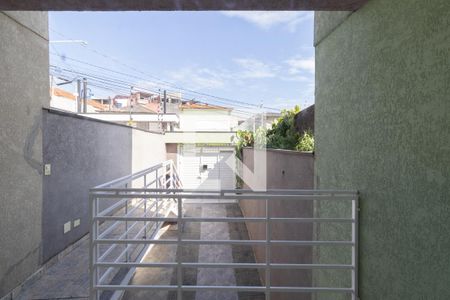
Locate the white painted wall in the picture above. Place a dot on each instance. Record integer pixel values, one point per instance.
(69, 105)
(206, 120)
(148, 149)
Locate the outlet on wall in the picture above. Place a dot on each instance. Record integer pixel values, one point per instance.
(76, 223)
(47, 169)
(67, 227)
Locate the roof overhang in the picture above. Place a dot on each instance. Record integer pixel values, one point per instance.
(124, 5)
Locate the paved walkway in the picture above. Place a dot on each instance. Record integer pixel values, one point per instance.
(68, 279)
(202, 253)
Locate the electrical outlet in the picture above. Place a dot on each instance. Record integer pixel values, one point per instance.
(47, 169)
(67, 227)
(76, 223)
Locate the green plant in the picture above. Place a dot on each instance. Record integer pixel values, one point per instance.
(305, 142)
(283, 134)
(245, 138)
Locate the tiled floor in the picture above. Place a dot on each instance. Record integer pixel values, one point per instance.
(68, 279)
(202, 253)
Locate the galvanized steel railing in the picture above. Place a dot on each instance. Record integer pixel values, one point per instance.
(178, 196)
(123, 225)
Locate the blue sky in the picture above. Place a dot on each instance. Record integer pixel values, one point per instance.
(257, 57)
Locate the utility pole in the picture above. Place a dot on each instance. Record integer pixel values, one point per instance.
(78, 96)
(165, 101)
(131, 105)
(164, 111)
(84, 95)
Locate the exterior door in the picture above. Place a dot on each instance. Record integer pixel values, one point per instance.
(205, 168)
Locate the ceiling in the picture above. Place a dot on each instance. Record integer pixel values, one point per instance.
(124, 5)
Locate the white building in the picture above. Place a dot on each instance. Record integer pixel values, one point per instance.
(63, 100)
(203, 146)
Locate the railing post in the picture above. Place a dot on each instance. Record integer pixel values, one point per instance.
(179, 248)
(355, 217)
(145, 206)
(126, 223)
(268, 249)
(92, 253)
(157, 199)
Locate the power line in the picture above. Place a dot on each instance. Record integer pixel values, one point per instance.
(123, 85)
(117, 85)
(158, 79)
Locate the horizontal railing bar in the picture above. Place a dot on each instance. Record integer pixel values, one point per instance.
(313, 220)
(290, 191)
(114, 245)
(124, 252)
(225, 265)
(129, 177)
(189, 288)
(113, 226)
(231, 197)
(312, 266)
(112, 207)
(237, 191)
(225, 242)
(230, 219)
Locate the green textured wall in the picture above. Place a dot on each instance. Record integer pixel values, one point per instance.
(383, 128)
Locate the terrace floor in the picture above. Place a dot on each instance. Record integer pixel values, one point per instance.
(69, 278)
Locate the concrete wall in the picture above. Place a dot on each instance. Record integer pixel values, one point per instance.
(172, 152)
(24, 89)
(286, 170)
(148, 149)
(304, 120)
(83, 153)
(382, 126)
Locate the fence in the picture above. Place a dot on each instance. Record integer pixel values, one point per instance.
(178, 196)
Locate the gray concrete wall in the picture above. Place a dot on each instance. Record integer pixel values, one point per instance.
(382, 127)
(286, 170)
(24, 89)
(304, 120)
(83, 153)
(172, 152)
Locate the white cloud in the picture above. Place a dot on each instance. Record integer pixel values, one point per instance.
(300, 65)
(253, 68)
(268, 19)
(199, 78)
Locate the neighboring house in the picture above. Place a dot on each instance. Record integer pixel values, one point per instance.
(141, 110)
(202, 145)
(64, 100)
(196, 116)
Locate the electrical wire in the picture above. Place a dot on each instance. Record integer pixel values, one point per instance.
(123, 86)
(156, 78)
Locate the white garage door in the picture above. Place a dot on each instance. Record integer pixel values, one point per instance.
(205, 168)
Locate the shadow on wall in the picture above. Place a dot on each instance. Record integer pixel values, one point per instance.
(286, 170)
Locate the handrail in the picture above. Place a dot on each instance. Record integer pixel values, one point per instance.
(174, 194)
(163, 177)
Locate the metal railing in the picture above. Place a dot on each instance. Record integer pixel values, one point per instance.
(117, 219)
(179, 195)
